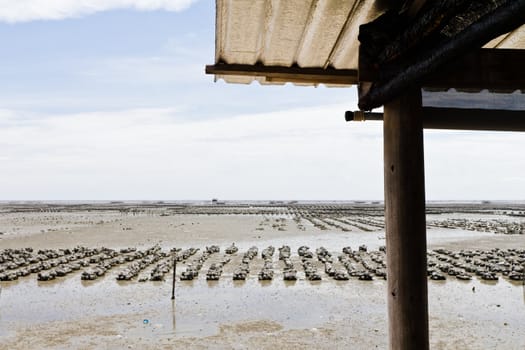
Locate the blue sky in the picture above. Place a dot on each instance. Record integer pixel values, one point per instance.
(107, 99)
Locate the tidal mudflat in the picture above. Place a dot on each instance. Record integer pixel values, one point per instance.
(249, 275)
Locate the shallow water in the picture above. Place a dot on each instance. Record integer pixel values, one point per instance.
(202, 306)
(491, 316)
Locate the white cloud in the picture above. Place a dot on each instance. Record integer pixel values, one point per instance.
(150, 153)
(308, 153)
(144, 70)
(474, 165)
(29, 10)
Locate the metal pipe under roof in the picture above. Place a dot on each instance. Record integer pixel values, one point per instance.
(458, 119)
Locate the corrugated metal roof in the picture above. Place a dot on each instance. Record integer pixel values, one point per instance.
(303, 33)
(512, 40)
(300, 33)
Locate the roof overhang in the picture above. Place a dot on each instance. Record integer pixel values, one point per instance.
(311, 42)
(306, 42)
(280, 74)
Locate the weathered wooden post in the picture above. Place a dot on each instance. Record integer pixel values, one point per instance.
(405, 223)
(174, 276)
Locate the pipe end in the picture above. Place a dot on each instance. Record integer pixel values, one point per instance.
(349, 116)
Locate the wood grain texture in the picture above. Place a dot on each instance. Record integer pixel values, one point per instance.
(405, 223)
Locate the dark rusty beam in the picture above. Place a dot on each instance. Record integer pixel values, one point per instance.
(482, 69)
(287, 74)
(505, 18)
(493, 69)
(459, 119)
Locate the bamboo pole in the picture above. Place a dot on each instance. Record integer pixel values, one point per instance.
(405, 223)
(174, 276)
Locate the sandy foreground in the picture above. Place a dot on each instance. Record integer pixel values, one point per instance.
(227, 314)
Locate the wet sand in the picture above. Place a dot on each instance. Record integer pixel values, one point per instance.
(225, 314)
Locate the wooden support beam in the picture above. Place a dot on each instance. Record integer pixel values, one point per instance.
(405, 223)
(287, 74)
(493, 69)
(473, 119)
(459, 119)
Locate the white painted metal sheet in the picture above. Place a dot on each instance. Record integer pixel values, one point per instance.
(303, 33)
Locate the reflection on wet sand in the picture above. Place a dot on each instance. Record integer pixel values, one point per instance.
(174, 316)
